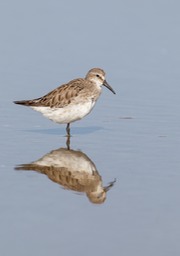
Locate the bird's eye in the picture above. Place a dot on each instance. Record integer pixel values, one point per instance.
(97, 75)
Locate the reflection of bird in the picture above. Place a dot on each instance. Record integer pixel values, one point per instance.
(71, 101)
(73, 170)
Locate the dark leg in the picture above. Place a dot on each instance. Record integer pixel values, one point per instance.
(68, 142)
(68, 130)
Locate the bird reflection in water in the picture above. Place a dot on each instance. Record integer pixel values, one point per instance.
(73, 170)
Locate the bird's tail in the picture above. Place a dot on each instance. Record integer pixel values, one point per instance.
(31, 167)
(27, 102)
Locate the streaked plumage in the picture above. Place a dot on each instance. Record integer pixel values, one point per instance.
(73, 170)
(72, 101)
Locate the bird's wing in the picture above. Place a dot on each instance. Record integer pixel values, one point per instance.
(62, 95)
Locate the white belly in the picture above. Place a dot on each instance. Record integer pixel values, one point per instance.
(67, 114)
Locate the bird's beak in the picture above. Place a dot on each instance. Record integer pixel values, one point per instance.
(108, 187)
(108, 86)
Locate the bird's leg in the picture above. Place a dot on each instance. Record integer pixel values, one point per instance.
(68, 130)
(68, 142)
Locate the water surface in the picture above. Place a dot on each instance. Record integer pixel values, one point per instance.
(132, 137)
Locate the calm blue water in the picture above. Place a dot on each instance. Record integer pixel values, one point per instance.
(133, 136)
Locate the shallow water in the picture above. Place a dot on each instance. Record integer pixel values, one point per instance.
(129, 142)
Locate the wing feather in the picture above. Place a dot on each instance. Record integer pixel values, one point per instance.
(59, 97)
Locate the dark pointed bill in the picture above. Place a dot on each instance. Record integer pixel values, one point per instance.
(111, 184)
(108, 86)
